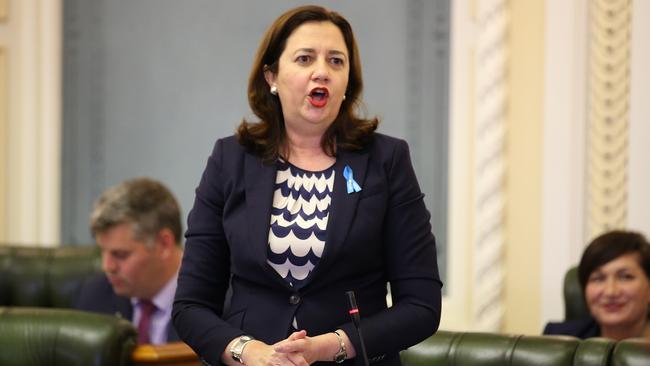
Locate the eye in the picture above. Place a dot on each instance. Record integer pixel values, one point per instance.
(303, 59)
(596, 278)
(121, 254)
(626, 276)
(338, 61)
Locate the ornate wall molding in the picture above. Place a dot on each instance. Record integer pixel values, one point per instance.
(608, 109)
(490, 98)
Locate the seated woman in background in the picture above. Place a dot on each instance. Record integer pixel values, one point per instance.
(614, 273)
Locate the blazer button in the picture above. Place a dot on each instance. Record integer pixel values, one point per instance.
(294, 299)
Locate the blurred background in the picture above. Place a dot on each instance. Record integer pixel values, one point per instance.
(528, 122)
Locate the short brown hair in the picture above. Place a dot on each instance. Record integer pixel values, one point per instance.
(610, 246)
(143, 202)
(267, 137)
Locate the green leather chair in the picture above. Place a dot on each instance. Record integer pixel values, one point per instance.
(575, 306)
(45, 277)
(63, 337)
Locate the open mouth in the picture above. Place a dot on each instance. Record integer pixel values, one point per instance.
(318, 97)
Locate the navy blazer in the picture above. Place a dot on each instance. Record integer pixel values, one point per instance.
(381, 234)
(581, 328)
(97, 296)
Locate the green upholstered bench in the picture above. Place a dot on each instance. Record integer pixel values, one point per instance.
(63, 337)
(632, 352)
(490, 349)
(51, 277)
(45, 277)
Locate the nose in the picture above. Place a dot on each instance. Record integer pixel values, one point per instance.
(108, 264)
(611, 287)
(321, 72)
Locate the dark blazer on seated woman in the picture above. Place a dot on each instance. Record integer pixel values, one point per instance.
(378, 235)
(581, 328)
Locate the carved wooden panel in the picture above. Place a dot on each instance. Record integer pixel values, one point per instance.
(490, 98)
(608, 102)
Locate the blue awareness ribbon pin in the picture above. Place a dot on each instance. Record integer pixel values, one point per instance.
(352, 185)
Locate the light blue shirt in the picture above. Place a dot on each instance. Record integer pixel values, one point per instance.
(161, 318)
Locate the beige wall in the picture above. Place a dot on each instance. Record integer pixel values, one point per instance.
(4, 85)
(3, 144)
(524, 156)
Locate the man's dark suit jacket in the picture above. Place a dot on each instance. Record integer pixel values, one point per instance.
(97, 296)
(377, 235)
(581, 328)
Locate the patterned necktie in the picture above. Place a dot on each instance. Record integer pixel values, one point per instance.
(147, 308)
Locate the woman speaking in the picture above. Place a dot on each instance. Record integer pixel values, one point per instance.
(300, 207)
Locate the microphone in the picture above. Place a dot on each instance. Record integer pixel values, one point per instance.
(356, 319)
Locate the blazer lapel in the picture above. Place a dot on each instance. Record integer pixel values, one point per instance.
(344, 206)
(259, 183)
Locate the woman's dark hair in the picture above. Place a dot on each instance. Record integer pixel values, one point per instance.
(267, 137)
(610, 246)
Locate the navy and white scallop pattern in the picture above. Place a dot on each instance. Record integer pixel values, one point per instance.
(301, 204)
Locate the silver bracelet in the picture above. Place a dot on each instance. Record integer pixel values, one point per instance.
(342, 354)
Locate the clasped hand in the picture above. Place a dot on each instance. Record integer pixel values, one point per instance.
(296, 350)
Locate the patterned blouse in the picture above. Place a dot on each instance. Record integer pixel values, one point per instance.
(301, 204)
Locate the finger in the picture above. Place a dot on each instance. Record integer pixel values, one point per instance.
(290, 346)
(293, 336)
(297, 359)
(298, 335)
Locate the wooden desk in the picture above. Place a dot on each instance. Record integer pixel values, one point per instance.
(170, 354)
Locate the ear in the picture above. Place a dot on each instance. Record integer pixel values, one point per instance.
(165, 242)
(269, 75)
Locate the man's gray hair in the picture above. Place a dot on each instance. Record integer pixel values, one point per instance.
(142, 202)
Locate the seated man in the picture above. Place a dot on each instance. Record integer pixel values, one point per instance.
(137, 226)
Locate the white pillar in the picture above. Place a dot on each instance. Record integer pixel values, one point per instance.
(563, 233)
(34, 123)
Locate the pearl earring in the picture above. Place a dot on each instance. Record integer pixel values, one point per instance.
(274, 90)
(343, 96)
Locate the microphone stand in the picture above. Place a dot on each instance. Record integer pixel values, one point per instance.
(356, 319)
